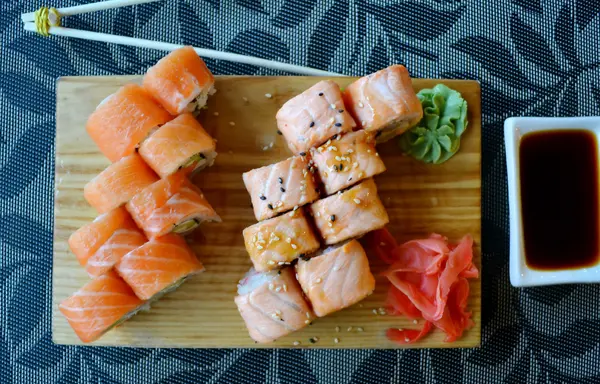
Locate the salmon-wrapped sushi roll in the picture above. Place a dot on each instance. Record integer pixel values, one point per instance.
(180, 81)
(123, 120)
(349, 214)
(314, 116)
(172, 204)
(336, 278)
(280, 240)
(100, 244)
(159, 266)
(280, 187)
(118, 183)
(347, 160)
(99, 306)
(384, 102)
(272, 304)
(180, 144)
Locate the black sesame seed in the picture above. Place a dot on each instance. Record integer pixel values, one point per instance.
(280, 180)
(320, 93)
(341, 166)
(302, 153)
(338, 124)
(335, 168)
(341, 111)
(137, 149)
(202, 156)
(332, 217)
(282, 189)
(263, 198)
(281, 318)
(279, 132)
(334, 136)
(279, 272)
(270, 206)
(350, 179)
(312, 340)
(378, 134)
(312, 124)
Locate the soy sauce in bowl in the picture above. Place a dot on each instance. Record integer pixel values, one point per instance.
(559, 199)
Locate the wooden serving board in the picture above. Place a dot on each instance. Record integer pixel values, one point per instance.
(420, 199)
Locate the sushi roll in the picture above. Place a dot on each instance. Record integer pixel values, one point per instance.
(280, 187)
(280, 240)
(118, 183)
(180, 144)
(159, 266)
(272, 304)
(352, 159)
(350, 213)
(170, 205)
(314, 116)
(123, 120)
(336, 278)
(99, 306)
(384, 102)
(100, 244)
(180, 81)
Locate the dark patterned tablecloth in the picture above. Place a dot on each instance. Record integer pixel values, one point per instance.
(532, 57)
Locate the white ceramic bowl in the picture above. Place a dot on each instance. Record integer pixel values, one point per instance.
(514, 129)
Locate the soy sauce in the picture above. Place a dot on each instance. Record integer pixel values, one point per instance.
(559, 199)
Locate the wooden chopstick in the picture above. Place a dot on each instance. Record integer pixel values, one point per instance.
(50, 25)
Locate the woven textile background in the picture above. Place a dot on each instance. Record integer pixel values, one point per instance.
(532, 57)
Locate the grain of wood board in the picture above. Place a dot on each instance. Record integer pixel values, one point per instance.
(420, 199)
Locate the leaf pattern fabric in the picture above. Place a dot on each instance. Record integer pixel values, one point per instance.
(532, 57)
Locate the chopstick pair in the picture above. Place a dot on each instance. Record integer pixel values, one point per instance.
(47, 21)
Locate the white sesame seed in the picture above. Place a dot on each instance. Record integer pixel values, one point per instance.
(296, 342)
(338, 158)
(232, 123)
(306, 321)
(294, 246)
(284, 288)
(360, 329)
(278, 312)
(336, 268)
(318, 280)
(415, 322)
(375, 312)
(276, 238)
(400, 329)
(259, 247)
(278, 289)
(295, 207)
(349, 328)
(265, 147)
(328, 142)
(308, 314)
(302, 187)
(268, 95)
(320, 149)
(215, 113)
(355, 165)
(360, 104)
(302, 181)
(407, 339)
(288, 240)
(336, 340)
(337, 329)
(292, 214)
(361, 174)
(363, 123)
(357, 201)
(330, 224)
(271, 144)
(318, 214)
(377, 154)
(368, 151)
(304, 172)
(351, 150)
(332, 120)
(271, 262)
(332, 106)
(271, 286)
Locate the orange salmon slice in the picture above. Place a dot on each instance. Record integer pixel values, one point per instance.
(118, 183)
(350, 213)
(180, 81)
(314, 116)
(172, 204)
(336, 278)
(384, 102)
(100, 305)
(159, 266)
(180, 144)
(123, 120)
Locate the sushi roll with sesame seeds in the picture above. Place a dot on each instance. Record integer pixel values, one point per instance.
(278, 241)
(384, 102)
(349, 214)
(336, 278)
(313, 116)
(347, 160)
(279, 187)
(272, 304)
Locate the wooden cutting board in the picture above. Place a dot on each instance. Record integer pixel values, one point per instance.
(420, 199)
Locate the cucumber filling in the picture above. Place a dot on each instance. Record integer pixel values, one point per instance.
(186, 226)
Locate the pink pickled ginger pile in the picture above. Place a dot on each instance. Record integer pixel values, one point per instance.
(429, 281)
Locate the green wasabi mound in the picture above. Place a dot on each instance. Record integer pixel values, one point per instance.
(437, 136)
